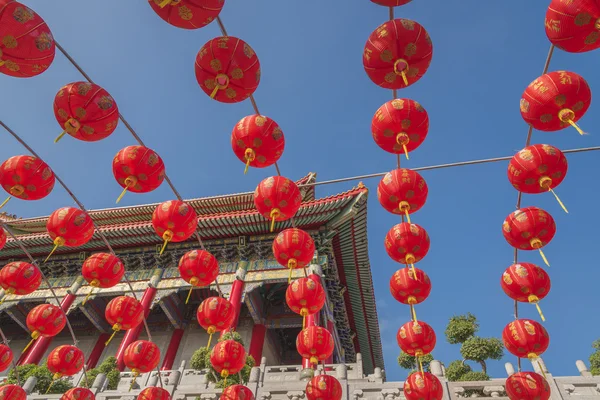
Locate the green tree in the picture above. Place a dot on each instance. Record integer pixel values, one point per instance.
(461, 330)
(44, 378)
(410, 363)
(201, 361)
(595, 358)
(108, 367)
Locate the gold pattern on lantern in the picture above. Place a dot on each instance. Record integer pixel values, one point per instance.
(248, 51)
(237, 73)
(410, 50)
(582, 19)
(408, 24)
(84, 88)
(215, 64)
(390, 77)
(565, 78)
(529, 327)
(44, 41)
(592, 37)
(507, 279)
(398, 104)
(9, 42)
(386, 55)
(23, 14)
(553, 25)
(185, 13)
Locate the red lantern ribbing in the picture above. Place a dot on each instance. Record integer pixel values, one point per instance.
(78, 393)
(305, 296)
(187, 14)
(257, 141)
(529, 228)
(237, 392)
(102, 270)
(227, 69)
(70, 227)
(525, 338)
(65, 360)
(391, 3)
(141, 357)
(402, 191)
(556, 100)
(423, 386)
(26, 178)
(538, 168)
(397, 54)
(228, 357)
(27, 48)
(174, 221)
(12, 392)
(6, 357)
(277, 198)
(407, 243)
(2, 238)
(293, 248)
(323, 387)
(315, 344)
(416, 338)
(198, 268)
(215, 314)
(527, 386)
(85, 111)
(20, 278)
(138, 169)
(527, 283)
(574, 26)
(410, 286)
(400, 125)
(123, 313)
(45, 320)
(154, 393)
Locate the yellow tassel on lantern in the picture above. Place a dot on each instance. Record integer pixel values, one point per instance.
(404, 78)
(533, 299)
(404, 206)
(165, 3)
(51, 384)
(249, 155)
(535, 358)
(558, 199)
(59, 241)
(402, 139)
(211, 330)
(546, 184)
(167, 237)
(401, 72)
(5, 201)
(129, 182)
(275, 213)
(411, 302)
(567, 115)
(420, 365)
(219, 86)
(537, 244)
(87, 297)
(116, 328)
(63, 133)
(187, 299)
(72, 126)
(136, 373)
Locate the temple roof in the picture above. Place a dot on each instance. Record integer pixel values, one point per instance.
(220, 217)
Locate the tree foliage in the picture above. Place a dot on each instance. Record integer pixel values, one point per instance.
(200, 360)
(410, 363)
(44, 378)
(595, 358)
(108, 367)
(460, 328)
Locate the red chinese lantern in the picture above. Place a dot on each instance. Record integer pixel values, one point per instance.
(227, 69)
(257, 141)
(174, 221)
(45, 320)
(574, 26)
(529, 228)
(187, 14)
(527, 283)
(20, 278)
(402, 191)
(140, 357)
(416, 338)
(293, 248)
(423, 386)
(198, 268)
(102, 270)
(525, 338)
(400, 125)
(65, 360)
(237, 392)
(154, 393)
(26, 178)
(315, 344)
(538, 168)
(397, 54)
(215, 314)
(527, 386)
(391, 3)
(555, 100)
(323, 387)
(78, 393)
(2, 238)
(410, 286)
(138, 169)
(69, 226)
(85, 111)
(6, 357)
(277, 198)
(123, 313)
(228, 357)
(407, 243)
(27, 47)
(305, 296)
(12, 392)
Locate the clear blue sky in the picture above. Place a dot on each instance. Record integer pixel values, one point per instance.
(313, 84)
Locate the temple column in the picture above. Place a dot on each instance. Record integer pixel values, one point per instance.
(96, 353)
(235, 296)
(257, 342)
(171, 352)
(40, 346)
(132, 334)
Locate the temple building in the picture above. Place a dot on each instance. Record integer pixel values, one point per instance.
(234, 232)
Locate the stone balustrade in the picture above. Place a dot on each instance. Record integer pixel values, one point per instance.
(289, 382)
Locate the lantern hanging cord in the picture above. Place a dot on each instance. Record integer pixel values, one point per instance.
(127, 125)
(82, 207)
(14, 365)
